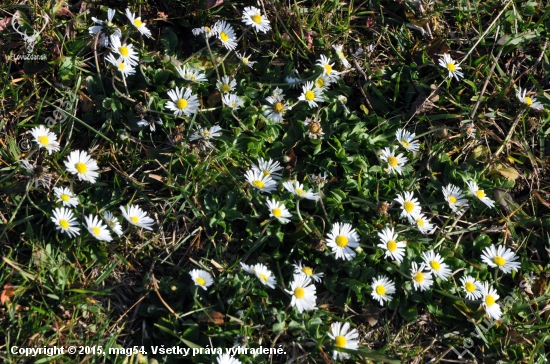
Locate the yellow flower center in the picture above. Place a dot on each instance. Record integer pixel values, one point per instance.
(138, 23)
(206, 132)
(81, 168)
(259, 184)
(451, 67)
(314, 127)
(408, 206)
(207, 29)
(310, 95)
(340, 341)
(328, 69)
(341, 241)
(405, 143)
(224, 37)
(181, 104)
(392, 161)
(420, 222)
(435, 265)
(65, 197)
(263, 277)
(134, 219)
(226, 88)
(64, 223)
(200, 281)
(278, 107)
(489, 300)
(96, 231)
(380, 290)
(245, 60)
(452, 199)
(266, 173)
(299, 292)
(307, 270)
(257, 18)
(44, 140)
(419, 277)
(300, 192)
(480, 193)
(319, 82)
(500, 261)
(528, 101)
(340, 54)
(190, 76)
(121, 66)
(277, 212)
(391, 245)
(470, 287)
(123, 50)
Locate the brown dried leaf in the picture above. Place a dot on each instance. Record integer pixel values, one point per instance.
(7, 293)
(214, 317)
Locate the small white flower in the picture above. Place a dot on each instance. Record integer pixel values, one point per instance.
(247, 268)
(340, 54)
(45, 139)
(226, 34)
(303, 293)
(207, 31)
(113, 222)
(278, 106)
(489, 296)
(530, 102)
(382, 288)
(422, 223)
(395, 163)
(422, 280)
(409, 204)
(202, 278)
(296, 188)
(81, 164)
(278, 210)
(328, 71)
(105, 28)
(312, 95)
(253, 17)
(474, 189)
(406, 139)
(143, 123)
(183, 101)
(65, 221)
(232, 101)
(343, 338)
(205, 134)
(435, 263)
(450, 65)
(265, 275)
(97, 229)
(125, 51)
(227, 359)
(454, 196)
(124, 68)
(323, 82)
(65, 196)
(226, 85)
(314, 129)
(260, 181)
(269, 168)
(342, 240)
(471, 287)
(140, 26)
(189, 73)
(501, 258)
(136, 216)
(392, 247)
(245, 59)
(308, 271)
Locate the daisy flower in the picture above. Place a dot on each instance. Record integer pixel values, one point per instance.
(342, 239)
(422, 223)
(296, 188)
(340, 54)
(474, 189)
(470, 287)
(448, 63)
(501, 258)
(97, 229)
(260, 181)
(265, 275)
(226, 34)
(202, 278)
(140, 26)
(125, 51)
(232, 101)
(422, 280)
(143, 123)
(189, 73)
(113, 222)
(406, 139)
(247, 268)
(207, 31)
(227, 359)
(395, 164)
(253, 17)
(531, 102)
(65, 196)
(454, 196)
(278, 210)
(45, 139)
(183, 101)
(323, 82)
(278, 106)
(393, 248)
(226, 84)
(269, 168)
(343, 338)
(136, 216)
(245, 60)
(314, 129)
(206, 134)
(312, 95)
(105, 28)
(81, 164)
(435, 263)
(382, 287)
(124, 68)
(65, 221)
(308, 271)
(303, 293)
(409, 204)
(328, 71)
(489, 296)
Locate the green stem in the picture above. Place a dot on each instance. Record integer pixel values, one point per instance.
(304, 224)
